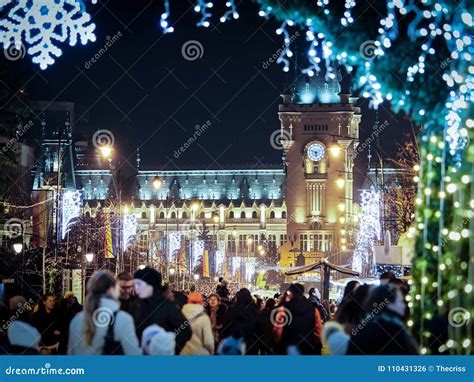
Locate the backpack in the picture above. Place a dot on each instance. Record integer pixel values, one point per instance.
(112, 347)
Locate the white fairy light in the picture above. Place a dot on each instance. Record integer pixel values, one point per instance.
(70, 210)
(129, 229)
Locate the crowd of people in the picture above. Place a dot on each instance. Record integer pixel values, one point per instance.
(135, 315)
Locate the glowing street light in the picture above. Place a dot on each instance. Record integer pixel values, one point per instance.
(335, 149)
(172, 270)
(106, 151)
(216, 219)
(260, 247)
(234, 233)
(249, 240)
(89, 257)
(18, 247)
(340, 182)
(157, 182)
(196, 277)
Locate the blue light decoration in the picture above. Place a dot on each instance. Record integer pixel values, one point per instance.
(220, 256)
(369, 231)
(129, 229)
(40, 25)
(71, 203)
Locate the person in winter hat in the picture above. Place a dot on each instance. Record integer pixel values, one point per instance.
(89, 329)
(233, 345)
(315, 299)
(335, 338)
(156, 308)
(157, 341)
(202, 340)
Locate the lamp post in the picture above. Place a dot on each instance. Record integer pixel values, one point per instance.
(18, 249)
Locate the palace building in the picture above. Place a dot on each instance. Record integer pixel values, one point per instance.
(304, 204)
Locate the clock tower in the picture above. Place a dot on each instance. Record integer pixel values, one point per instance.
(319, 131)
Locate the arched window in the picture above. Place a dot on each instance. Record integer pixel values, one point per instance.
(254, 215)
(173, 215)
(143, 215)
(162, 215)
(272, 215)
(184, 215)
(283, 215)
(231, 214)
(242, 214)
(88, 214)
(201, 215)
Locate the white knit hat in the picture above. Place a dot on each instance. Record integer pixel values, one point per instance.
(22, 334)
(157, 341)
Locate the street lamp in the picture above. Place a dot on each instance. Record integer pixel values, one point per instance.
(216, 219)
(172, 270)
(234, 233)
(196, 277)
(89, 257)
(340, 182)
(157, 182)
(106, 151)
(18, 247)
(335, 149)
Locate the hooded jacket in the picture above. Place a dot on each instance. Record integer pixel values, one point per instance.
(124, 332)
(202, 340)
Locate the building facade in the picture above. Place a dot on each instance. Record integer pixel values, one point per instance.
(304, 204)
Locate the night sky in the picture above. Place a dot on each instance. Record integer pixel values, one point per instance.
(148, 95)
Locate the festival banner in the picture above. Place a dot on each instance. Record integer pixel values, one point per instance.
(205, 264)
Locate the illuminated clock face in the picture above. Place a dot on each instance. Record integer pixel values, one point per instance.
(316, 152)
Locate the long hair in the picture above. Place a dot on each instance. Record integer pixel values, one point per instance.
(99, 283)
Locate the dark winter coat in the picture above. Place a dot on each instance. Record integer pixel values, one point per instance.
(159, 310)
(266, 325)
(47, 324)
(245, 319)
(318, 304)
(299, 327)
(383, 334)
(219, 322)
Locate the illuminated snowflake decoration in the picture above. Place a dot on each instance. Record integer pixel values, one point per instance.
(40, 25)
(369, 232)
(129, 230)
(71, 204)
